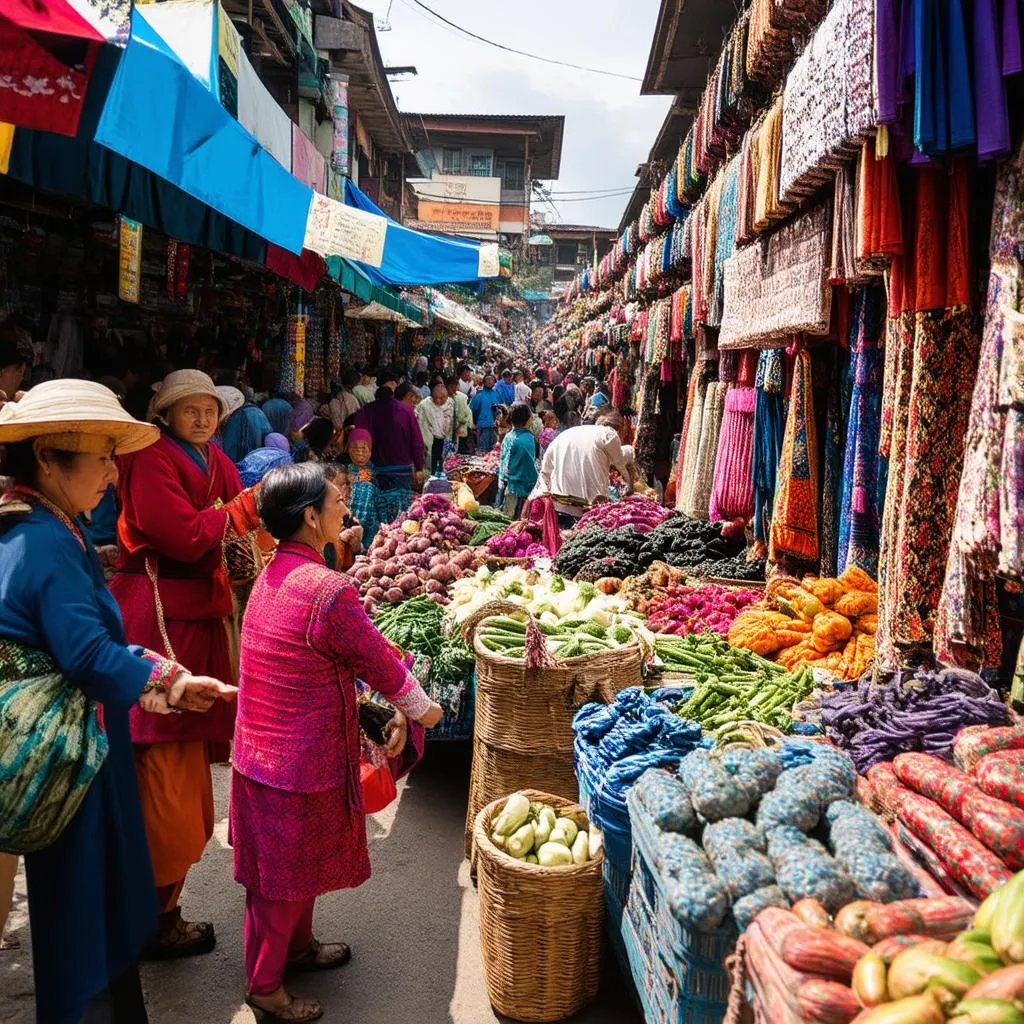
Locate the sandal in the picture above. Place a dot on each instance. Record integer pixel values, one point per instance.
(321, 956)
(295, 1011)
(180, 938)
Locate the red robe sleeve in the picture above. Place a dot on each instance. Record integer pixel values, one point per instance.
(159, 512)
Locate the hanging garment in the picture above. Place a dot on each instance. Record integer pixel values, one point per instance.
(707, 450)
(834, 445)
(732, 493)
(986, 527)
(864, 471)
(794, 529)
(769, 427)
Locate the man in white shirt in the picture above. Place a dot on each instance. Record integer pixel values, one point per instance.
(523, 392)
(466, 381)
(576, 467)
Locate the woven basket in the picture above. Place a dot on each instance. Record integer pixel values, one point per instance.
(540, 928)
(523, 728)
(530, 710)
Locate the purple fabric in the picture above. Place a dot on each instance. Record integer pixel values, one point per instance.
(397, 438)
(278, 441)
(891, 95)
(1013, 60)
(993, 123)
(303, 412)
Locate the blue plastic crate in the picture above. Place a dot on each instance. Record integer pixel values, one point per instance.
(692, 960)
(616, 879)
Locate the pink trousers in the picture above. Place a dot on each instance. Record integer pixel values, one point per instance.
(276, 931)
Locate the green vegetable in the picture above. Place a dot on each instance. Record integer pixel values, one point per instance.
(554, 855)
(581, 848)
(513, 814)
(569, 827)
(531, 858)
(489, 514)
(520, 843)
(732, 685)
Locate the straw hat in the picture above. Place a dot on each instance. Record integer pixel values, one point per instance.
(74, 416)
(184, 384)
(233, 399)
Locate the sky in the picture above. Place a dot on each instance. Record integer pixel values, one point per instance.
(609, 126)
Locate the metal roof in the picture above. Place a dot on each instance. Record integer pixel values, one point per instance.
(687, 39)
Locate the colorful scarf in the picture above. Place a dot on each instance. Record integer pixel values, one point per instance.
(864, 470)
(794, 529)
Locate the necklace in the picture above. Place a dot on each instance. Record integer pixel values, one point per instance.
(31, 495)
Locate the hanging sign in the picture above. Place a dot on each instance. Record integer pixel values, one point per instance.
(333, 229)
(129, 277)
(488, 262)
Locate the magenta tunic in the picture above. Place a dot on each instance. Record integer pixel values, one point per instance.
(296, 817)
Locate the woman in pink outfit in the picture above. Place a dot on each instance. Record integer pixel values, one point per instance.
(296, 818)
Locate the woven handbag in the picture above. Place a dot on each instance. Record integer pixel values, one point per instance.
(51, 747)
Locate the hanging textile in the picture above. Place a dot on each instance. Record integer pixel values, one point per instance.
(684, 495)
(931, 361)
(879, 230)
(834, 446)
(778, 285)
(725, 238)
(864, 471)
(794, 528)
(707, 449)
(732, 492)
(315, 357)
(829, 99)
(769, 427)
(987, 525)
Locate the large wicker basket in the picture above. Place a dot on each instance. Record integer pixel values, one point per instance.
(540, 928)
(523, 728)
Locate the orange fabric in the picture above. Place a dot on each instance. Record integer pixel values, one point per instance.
(176, 793)
(243, 512)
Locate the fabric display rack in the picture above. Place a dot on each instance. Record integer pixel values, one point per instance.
(804, 294)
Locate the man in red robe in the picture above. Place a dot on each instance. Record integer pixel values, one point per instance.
(177, 498)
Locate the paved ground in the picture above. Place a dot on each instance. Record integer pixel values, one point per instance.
(413, 928)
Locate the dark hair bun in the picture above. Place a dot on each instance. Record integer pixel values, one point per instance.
(287, 492)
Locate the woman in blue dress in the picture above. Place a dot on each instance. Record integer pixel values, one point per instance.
(91, 897)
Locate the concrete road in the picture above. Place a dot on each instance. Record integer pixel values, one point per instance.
(413, 927)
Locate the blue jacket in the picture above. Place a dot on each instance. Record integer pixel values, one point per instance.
(506, 393)
(518, 470)
(91, 896)
(482, 407)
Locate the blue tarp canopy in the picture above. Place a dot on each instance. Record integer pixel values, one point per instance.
(159, 116)
(77, 166)
(415, 257)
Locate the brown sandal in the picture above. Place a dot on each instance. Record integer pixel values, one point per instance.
(180, 938)
(321, 956)
(295, 1011)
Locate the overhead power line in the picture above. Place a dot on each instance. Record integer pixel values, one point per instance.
(522, 53)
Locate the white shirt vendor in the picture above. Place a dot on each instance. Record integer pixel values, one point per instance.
(577, 465)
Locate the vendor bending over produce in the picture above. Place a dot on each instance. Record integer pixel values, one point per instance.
(575, 471)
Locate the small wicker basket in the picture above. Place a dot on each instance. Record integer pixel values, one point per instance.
(540, 928)
(523, 728)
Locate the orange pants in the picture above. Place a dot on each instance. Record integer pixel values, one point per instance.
(176, 792)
